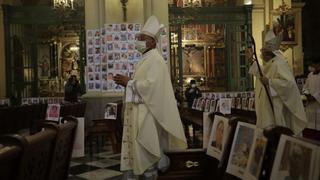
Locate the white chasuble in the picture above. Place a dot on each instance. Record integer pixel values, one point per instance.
(312, 87)
(288, 107)
(154, 125)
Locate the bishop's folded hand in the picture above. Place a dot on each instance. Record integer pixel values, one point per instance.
(264, 80)
(121, 79)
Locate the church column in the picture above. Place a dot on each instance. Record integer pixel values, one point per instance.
(2, 57)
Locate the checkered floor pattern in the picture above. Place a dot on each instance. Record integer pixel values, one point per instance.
(98, 164)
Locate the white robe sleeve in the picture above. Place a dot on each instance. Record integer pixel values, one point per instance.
(132, 94)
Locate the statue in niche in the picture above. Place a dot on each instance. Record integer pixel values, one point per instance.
(69, 61)
(44, 66)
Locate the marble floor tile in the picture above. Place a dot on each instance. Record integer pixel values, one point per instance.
(100, 174)
(79, 169)
(104, 163)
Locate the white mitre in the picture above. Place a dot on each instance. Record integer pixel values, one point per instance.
(152, 27)
(271, 41)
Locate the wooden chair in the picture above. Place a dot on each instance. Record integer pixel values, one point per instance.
(109, 128)
(63, 146)
(36, 157)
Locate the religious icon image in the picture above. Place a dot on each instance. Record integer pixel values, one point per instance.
(295, 159)
(218, 137)
(110, 111)
(241, 147)
(193, 60)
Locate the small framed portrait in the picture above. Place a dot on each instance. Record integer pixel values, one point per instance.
(131, 36)
(218, 137)
(109, 37)
(194, 104)
(244, 103)
(256, 156)
(123, 27)
(110, 66)
(53, 112)
(116, 37)
(251, 104)
(97, 76)
(137, 56)
(110, 111)
(90, 41)
(96, 33)
(124, 56)
(137, 27)
(123, 37)
(213, 104)
(91, 76)
(131, 46)
(110, 57)
(131, 56)
(104, 86)
(91, 86)
(90, 51)
(116, 28)
(90, 33)
(225, 105)
(116, 46)
(108, 27)
(104, 68)
(207, 105)
(97, 85)
(123, 47)
(97, 42)
(110, 47)
(116, 56)
(130, 28)
(97, 59)
(295, 159)
(103, 31)
(238, 103)
(97, 50)
(241, 147)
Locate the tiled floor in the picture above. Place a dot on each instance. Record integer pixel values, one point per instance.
(102, 164)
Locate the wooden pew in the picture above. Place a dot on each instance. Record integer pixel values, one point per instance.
(62, 149)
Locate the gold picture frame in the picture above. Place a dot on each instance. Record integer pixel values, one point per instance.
(288, 22)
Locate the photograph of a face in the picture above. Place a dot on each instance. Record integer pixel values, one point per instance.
(295, 159)
(53, 112)
(110, 111)
(218, 137)
(256, 156)
(241, 147)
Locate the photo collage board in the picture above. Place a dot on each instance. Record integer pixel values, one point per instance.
(110, 51)
(225, 101)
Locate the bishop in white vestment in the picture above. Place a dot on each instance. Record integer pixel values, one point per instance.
(152, 123)
(287, 105)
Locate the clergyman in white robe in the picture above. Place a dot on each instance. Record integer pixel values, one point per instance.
(288, 109)
(312, 87)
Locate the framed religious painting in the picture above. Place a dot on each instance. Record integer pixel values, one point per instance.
(287, 24)
(193, 60)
